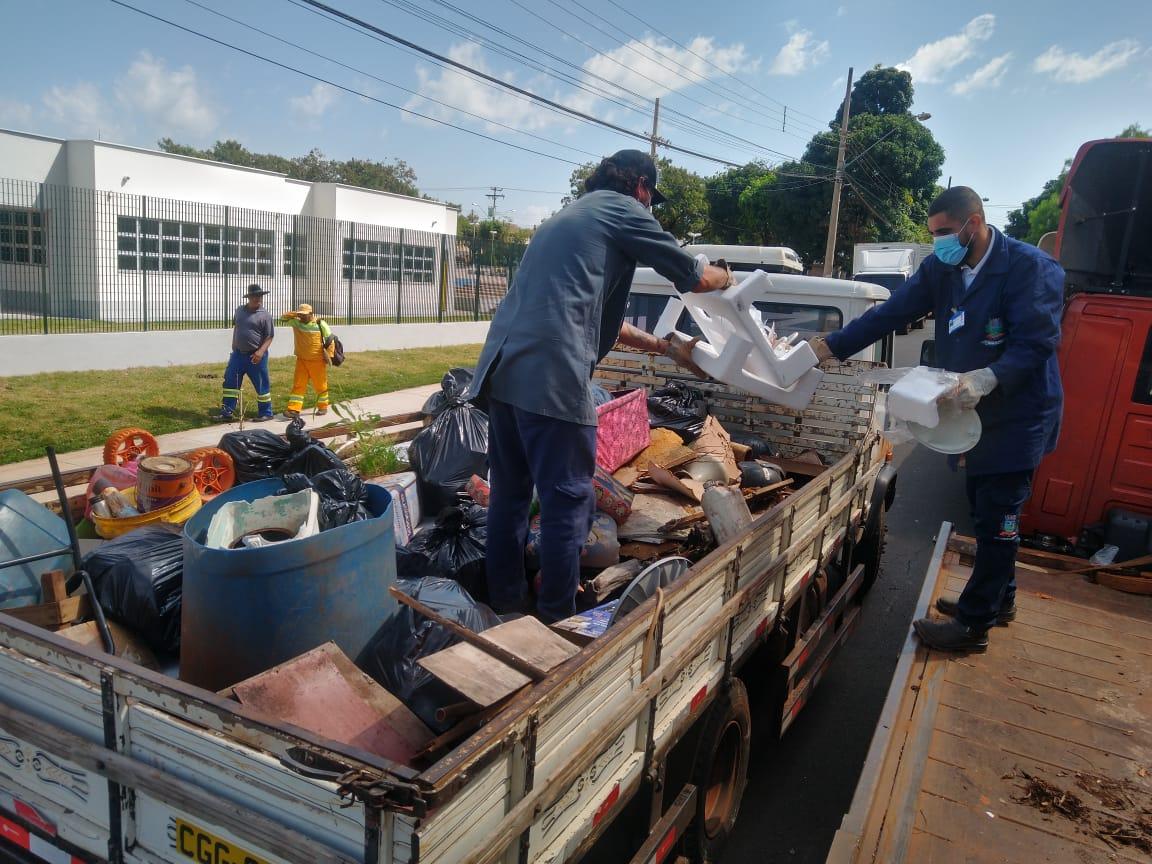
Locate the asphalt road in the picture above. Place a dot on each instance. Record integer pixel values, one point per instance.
(800, 787)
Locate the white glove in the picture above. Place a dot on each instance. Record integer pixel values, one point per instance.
(974, 386)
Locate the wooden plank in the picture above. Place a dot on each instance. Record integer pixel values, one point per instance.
(52, 616)
(946, 832)
(52, 588)
(485, 680)
(129, 646)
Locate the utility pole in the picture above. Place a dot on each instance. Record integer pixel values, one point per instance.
(655, 121)
(838, 183)
(496, 193)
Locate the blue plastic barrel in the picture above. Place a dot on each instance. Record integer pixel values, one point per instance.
(246, 610)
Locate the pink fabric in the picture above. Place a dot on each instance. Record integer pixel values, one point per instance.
(623, 430)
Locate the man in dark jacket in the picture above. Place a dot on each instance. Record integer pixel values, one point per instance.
(563, 313)
(997, 303)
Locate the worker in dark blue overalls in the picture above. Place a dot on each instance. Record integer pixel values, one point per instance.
(563, 313)
(997, 303)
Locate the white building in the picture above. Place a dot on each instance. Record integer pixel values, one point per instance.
(108, 232)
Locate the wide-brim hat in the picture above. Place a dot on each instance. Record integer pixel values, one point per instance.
(303, 309)
(256, 291)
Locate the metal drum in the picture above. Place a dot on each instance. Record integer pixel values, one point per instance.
(246, 610)
(162, 480)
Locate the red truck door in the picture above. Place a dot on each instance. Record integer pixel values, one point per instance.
(1104, 457)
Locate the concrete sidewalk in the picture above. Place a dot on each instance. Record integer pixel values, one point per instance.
(384, 404)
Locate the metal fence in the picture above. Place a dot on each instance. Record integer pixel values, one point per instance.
(76, 260)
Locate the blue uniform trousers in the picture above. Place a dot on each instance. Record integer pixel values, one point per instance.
(995, 500)
(559, 457)
(239, 365)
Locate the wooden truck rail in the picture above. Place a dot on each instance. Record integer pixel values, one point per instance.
(128, 764)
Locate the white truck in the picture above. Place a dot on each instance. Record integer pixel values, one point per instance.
(888, 264)
(638, 744)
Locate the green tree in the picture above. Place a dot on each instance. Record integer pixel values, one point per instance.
(396, 176)
(685, 211)
(893, 163)
(729, 222)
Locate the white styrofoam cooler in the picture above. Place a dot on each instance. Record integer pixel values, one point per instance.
(405, 504)
(914, 396)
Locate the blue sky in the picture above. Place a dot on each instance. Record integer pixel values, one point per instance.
(1013, 88)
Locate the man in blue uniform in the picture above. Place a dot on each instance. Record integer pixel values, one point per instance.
(997, 303)
(563, 313)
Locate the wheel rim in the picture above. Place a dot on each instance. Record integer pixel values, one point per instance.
(213, 471)
(720, 796)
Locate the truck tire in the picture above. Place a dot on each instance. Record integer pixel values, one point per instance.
(870, 551)
(720, 773)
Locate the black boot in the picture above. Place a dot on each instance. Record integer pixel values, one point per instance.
(1004, 617)
(951, 635)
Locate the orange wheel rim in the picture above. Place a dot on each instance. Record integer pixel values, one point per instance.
(213, 471)
(124, 445)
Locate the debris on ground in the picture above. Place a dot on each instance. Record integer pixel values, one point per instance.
(1126, 819)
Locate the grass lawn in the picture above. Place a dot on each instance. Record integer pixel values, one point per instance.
(76, 410)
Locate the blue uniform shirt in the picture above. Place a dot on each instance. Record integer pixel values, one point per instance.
(563, 312)
(1011, 325)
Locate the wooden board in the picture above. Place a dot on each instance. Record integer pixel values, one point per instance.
(1063, 696)
(129, 646)
(324, 692)
(483, 679)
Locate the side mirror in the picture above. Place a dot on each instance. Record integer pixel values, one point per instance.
(928, 353)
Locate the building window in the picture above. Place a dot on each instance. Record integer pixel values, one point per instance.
(21, 237)
(191, 247)
(295, 251)
(378, 261)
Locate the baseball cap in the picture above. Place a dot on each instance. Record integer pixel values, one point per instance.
(643, 164)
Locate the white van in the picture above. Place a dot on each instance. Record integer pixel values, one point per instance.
(770, 259)
(808, 305)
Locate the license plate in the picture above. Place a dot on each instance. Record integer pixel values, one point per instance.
(205, 848)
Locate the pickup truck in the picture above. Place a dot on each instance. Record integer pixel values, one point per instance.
(641, 739)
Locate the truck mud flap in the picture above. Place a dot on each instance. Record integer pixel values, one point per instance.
(803, 668)
(666, 833)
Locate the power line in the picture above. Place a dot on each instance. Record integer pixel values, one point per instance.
(706, 60)
(342, 87)
(505, 84)
(386, 81)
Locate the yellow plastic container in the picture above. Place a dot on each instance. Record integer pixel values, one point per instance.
(176, 513)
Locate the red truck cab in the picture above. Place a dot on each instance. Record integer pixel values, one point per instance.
(1100, 476)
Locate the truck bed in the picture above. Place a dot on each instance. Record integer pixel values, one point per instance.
(1039, 750)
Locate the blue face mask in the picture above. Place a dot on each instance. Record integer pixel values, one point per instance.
(948, 248)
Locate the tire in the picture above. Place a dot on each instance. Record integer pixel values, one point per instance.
(720, 773)
(213, 471)
(870, 551)
(124, 445)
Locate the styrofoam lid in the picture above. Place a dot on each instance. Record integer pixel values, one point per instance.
(957, 432)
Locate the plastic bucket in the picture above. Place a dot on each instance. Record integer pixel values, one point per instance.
(247, 610)
(174, 514)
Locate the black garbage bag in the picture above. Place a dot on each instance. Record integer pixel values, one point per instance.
(139, 579)
(759, 447)
(343, 496)
(680, 408)
(453, 386)
(406, 636)
(256, 453)
(446, 455)
(454, 547)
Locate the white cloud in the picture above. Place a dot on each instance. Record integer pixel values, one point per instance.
(534, 214)
(80, 111)
(1073, 68)
(171, 96)
(931, 61)
(986, 77)
(653, 67)
(15, 115)
(315, 102)
(640, 66)
(798, 53)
